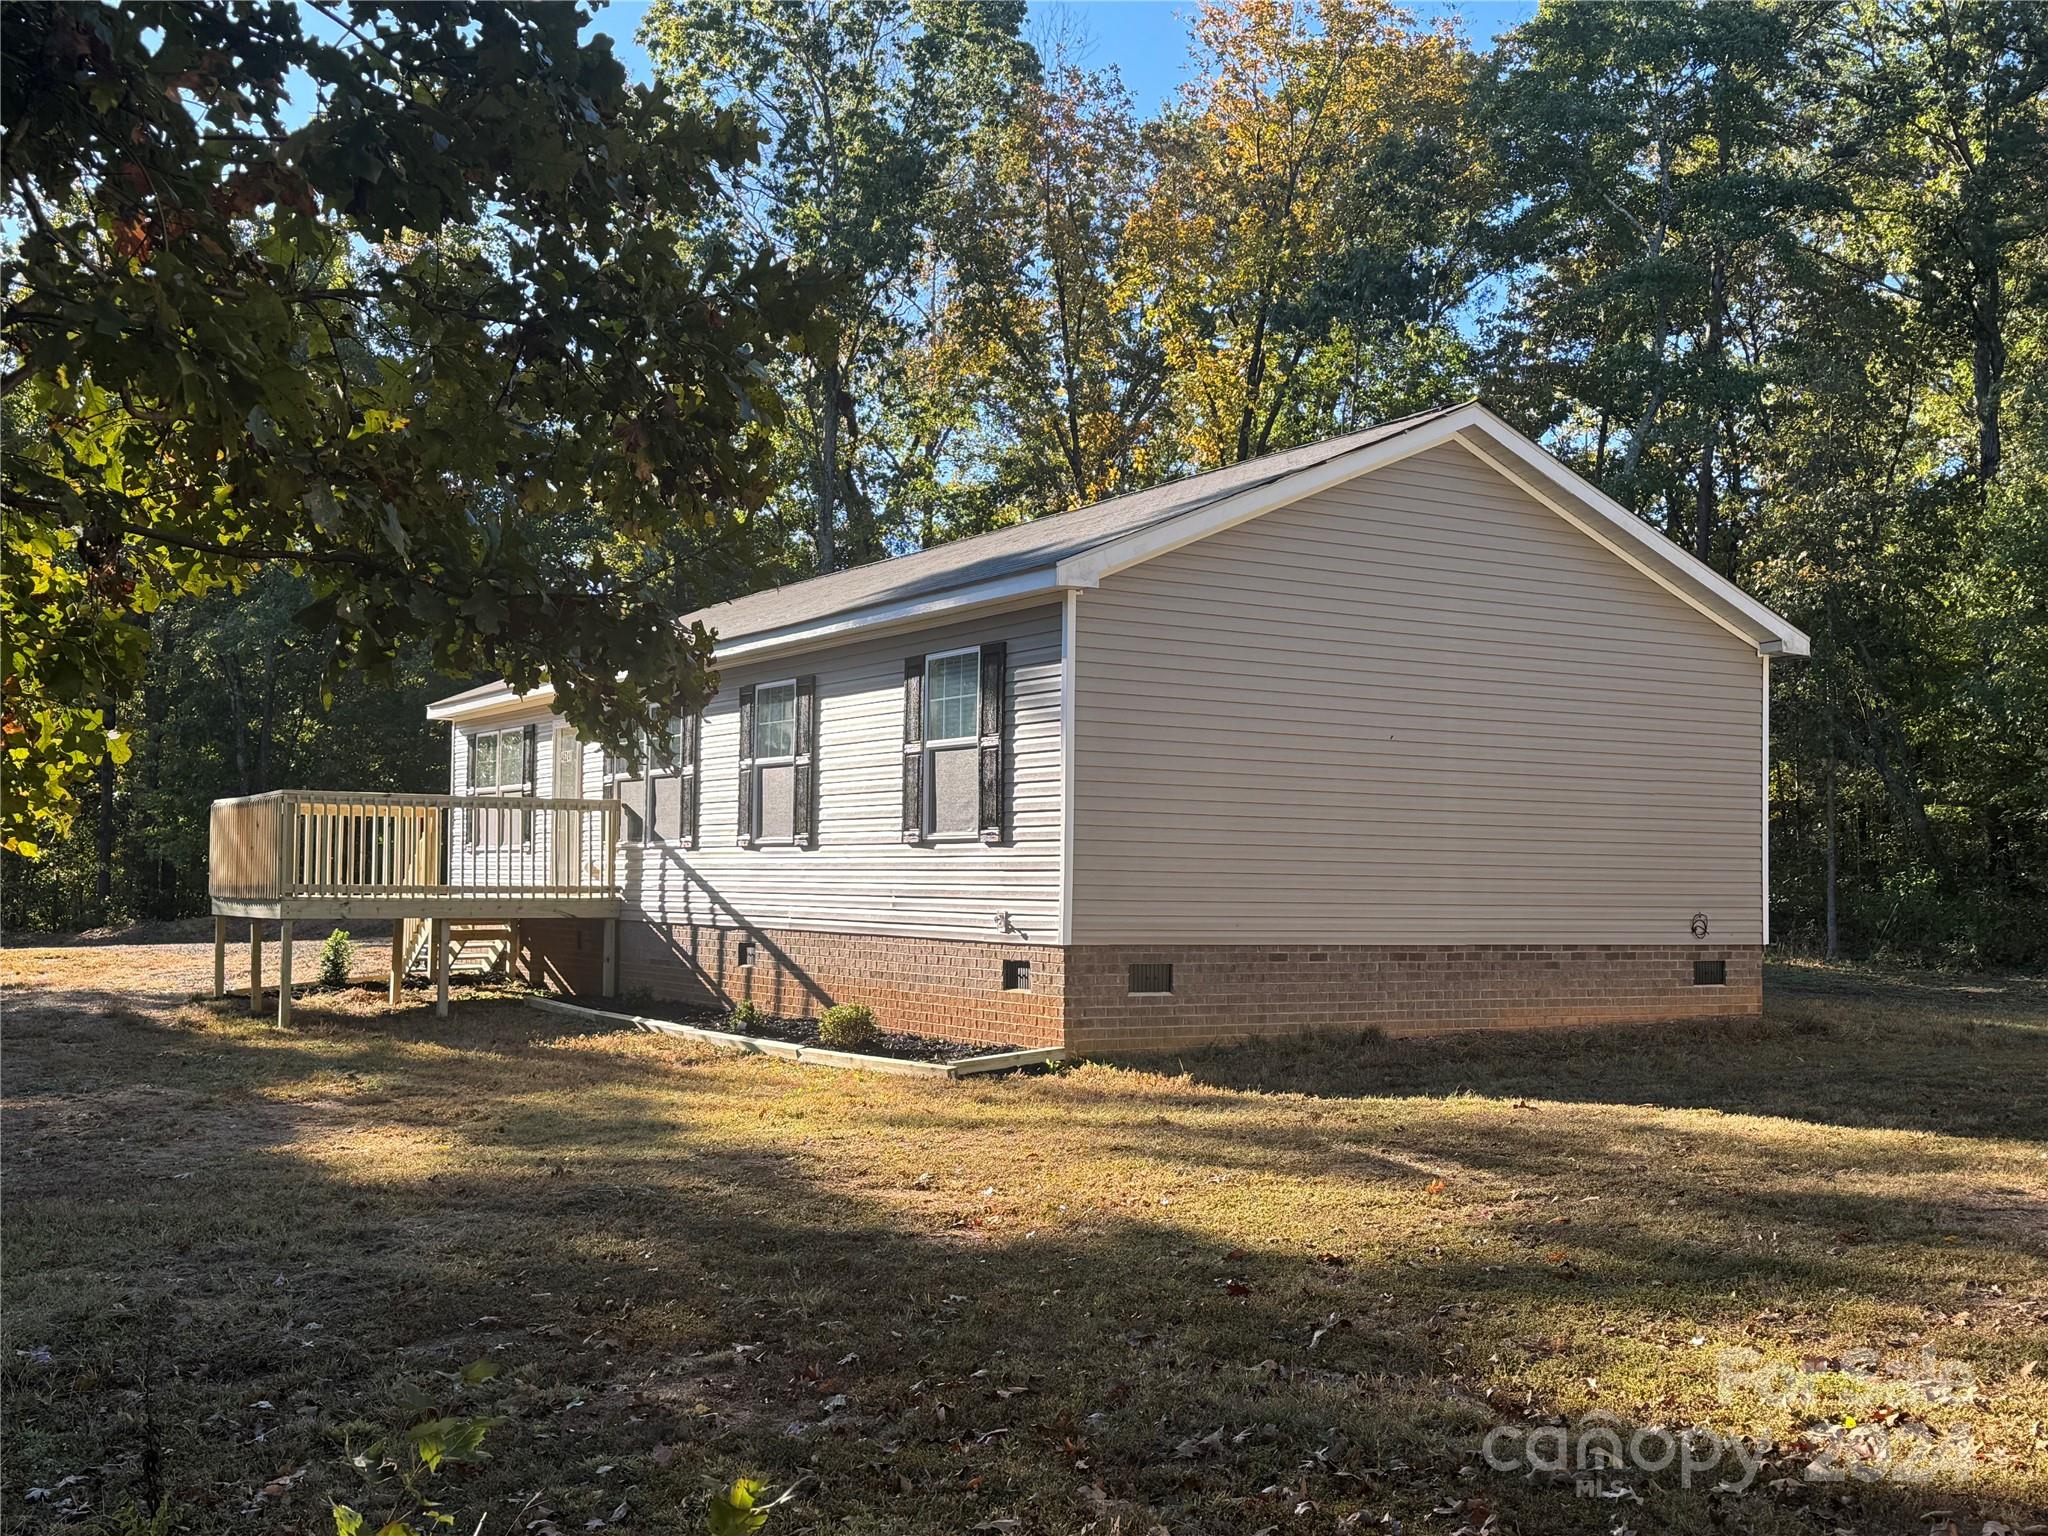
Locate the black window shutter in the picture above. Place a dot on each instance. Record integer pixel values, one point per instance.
(746, 838)
(804, 815)
(693, 726)
(913, 749)
(994, 665)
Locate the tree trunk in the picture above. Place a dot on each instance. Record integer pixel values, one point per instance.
(1706, 495)
(238, 703)
(1705, 507)
(1987, 306)
(103, 844)
(827, 468)
(1833, 934)
(268, 728)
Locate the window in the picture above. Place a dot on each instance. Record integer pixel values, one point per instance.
(1016, 975)
(746, 952)
(1710, 973)
(952, 743)
(1150, 980)
(775, 762)
(657, 785)
(500, 764)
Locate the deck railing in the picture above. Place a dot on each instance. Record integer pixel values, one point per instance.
(299, 844)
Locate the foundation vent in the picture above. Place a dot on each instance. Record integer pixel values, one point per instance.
(1150, 980)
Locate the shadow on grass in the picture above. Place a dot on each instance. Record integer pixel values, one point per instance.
(944, 1307)
(1958, 1055)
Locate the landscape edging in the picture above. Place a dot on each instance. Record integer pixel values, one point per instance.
(814, 1055)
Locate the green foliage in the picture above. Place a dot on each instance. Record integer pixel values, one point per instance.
(847, 1026)
(1310, 228)
(230, 703)
(866, 105)
(337, 958)
(747, 1014)
(438, 349)
(1775, 277)
(404, 1467)
(1046, 371)
(1774, 282)
(735, 1511)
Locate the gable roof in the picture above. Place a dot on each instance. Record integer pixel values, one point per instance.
(1077, 549)
(1041, 543)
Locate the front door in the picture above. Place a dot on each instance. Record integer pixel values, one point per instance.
(568, 828)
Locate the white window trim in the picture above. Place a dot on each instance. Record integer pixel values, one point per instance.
(788, 761)
(497, 790)
(933, 745)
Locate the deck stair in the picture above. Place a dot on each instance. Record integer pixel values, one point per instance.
(474, 950)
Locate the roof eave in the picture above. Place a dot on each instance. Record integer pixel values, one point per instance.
(877, 618)
(1609, 523)
(1012, 587)
(1521, 461)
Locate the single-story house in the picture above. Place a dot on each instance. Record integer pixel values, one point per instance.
(1412, 728)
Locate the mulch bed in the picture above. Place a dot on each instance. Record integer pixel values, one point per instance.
(795, 1031)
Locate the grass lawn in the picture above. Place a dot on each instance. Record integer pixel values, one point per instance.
(1290, 1288)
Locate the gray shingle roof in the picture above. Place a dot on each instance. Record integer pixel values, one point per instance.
(1021, 547)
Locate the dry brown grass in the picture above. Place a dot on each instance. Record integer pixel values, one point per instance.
(1031, 1299)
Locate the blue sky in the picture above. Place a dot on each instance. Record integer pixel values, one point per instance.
(1147, 40)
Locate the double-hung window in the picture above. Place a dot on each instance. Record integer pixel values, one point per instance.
(656, 785)
(500, 764)
(952, 744)
(778, 729)
(775, 762)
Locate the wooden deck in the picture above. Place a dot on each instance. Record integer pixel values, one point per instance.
(433, 860)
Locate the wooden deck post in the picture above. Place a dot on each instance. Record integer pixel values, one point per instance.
(284, 974)
(512, 960)
(397, 957)
(220, 957)
(255, 965)
(440, 944)
(611, 957)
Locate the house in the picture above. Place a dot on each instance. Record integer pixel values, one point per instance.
(1409, 728)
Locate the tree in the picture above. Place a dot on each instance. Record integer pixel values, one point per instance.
(1310, 225)
(1045, 322)
(383, 348)
(1952, 120)
(865, 103)
(1652, 208)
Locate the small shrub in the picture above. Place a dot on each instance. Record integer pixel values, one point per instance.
(337, 958)
(747, 1014)
(846, 1026)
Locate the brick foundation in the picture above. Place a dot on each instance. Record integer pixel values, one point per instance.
(1239, 991)
(950, 988)
(953, 988)
(562, 955)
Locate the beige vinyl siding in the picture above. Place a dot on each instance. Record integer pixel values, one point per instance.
(862, 877)
(513, 861)
(1419, 708)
